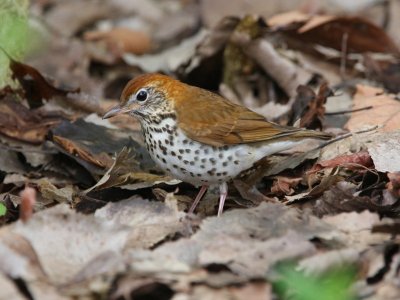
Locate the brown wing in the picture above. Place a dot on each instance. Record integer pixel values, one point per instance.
(213, 120)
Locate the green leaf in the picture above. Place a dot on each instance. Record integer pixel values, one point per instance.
(332, 285)
(16, 38)
(3, 209)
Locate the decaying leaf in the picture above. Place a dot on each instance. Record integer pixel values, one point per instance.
(356, 160)
(384, 112)
(357, 34)
(313, 117)
(36, 87)
(18, 122)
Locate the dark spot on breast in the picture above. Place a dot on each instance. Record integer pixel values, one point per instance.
(224, 163)
(224, 173)
(230, 157)
(198, 175)
(168, 170)
(175, 166)
(187, 150)
(225, 147)
(221, 155)
(236, 162)
(213, 161)
(191, 163)
(173, 153)
(218, 174)
(166, 142)
(197, 151)
(211, 172)
(191, 174)
(202, 166)
(185, 141)
(206, 151)
(181, 151)
(179, 157)
(196, 158)
(185, 162)
(203, 160)
(164, 161)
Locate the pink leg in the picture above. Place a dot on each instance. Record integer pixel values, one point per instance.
(198, 198)
(223, 192)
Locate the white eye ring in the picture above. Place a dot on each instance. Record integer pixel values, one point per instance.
(142, 95)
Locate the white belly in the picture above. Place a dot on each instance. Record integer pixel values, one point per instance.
(199, 163)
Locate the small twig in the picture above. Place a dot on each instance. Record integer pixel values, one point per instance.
(343, 56)
(340, 112)
(344, 136)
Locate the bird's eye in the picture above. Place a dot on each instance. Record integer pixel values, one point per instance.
(141, 95)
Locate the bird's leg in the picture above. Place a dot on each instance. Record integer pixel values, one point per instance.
(198, 198)
(223, 192)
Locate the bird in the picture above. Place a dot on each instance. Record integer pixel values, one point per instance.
(198, 136)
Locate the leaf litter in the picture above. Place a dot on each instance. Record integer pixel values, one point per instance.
(86, 214)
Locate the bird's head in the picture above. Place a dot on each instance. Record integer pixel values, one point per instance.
(147, 96)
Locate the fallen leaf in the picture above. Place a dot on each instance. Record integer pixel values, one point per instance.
(313, 117)
(20, 123)
(36, 87)
(385, 110)
(350, 161)
(121, 40)
(360, 34)
(385, 150)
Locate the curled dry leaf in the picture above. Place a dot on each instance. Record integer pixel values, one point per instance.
(101, 160)
(313, 117)
(35, 86)
(350, 161)
(285, 185)
(122, 40)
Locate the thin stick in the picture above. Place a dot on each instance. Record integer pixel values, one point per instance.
(343, 56)
(340, 112)
(344, 136)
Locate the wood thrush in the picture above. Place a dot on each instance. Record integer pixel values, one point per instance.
(198, 136)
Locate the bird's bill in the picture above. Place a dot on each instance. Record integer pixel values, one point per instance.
(115, 111)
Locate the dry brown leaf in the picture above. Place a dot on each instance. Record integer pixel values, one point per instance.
(359, 34)
(351, 161)
(18, 122)
(313, 117)
(101, 160)
(36, 87)
(385, 110)
(122, 40)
